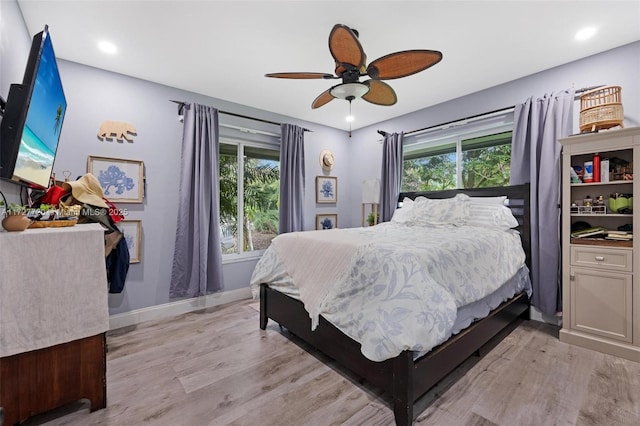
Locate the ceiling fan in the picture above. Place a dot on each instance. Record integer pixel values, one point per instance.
(350, 62)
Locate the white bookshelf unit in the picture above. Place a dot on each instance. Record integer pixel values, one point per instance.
(601, 307)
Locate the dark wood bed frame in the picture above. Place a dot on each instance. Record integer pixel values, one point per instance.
(404, 378)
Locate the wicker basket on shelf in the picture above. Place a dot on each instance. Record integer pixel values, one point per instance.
(601, 108)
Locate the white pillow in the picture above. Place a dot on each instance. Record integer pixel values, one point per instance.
(404, 214)
(500, 200)
(493, 215)
(447, 211)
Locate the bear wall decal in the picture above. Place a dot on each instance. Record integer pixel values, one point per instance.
(119, 129)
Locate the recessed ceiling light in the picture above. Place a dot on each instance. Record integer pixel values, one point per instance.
(586, 33)
(350, 118)
(107, 47)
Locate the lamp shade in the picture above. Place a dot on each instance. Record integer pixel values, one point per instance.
(349, 91)
(371, 191)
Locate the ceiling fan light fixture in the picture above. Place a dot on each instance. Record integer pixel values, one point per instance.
(349, 91)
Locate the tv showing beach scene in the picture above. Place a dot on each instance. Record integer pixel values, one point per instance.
(43, 124)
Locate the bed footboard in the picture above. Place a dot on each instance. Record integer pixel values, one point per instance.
(401, 377)
(290, 313)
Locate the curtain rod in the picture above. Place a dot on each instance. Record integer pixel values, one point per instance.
(181, 105)
(383, 133)
(251, 131)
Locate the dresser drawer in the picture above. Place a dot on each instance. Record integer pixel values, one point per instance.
(602, 258)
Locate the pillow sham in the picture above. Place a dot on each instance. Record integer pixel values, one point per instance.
(446, 211)
(500, 200)
(493, 215)
(403, 214)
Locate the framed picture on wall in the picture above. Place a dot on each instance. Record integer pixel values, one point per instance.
(326, 189)
(326, 221)
(132, 233)
(122, 181)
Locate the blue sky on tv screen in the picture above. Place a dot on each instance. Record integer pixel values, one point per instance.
(48, 104)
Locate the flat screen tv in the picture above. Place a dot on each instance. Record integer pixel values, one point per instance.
(32, 118)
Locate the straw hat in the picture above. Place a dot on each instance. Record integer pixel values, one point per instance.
(326, 160)
(87, 190)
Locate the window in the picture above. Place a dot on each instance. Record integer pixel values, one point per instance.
(249, 195)
(486, 161)
(432, 168)
(475, 158)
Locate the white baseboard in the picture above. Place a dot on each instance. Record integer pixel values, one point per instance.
(179, 307)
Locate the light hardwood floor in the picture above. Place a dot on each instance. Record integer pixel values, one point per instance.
(216, 367)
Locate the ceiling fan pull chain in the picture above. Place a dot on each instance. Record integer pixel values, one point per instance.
(350, 118)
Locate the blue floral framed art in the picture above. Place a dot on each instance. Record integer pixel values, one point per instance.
(132, 233)
(326, 189)
(122, 181)
(326, 221)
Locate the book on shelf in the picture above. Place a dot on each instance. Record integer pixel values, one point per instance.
(619, 236)
(589, 232)
(611, 232)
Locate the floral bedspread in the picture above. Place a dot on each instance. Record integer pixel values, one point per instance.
(402, 288)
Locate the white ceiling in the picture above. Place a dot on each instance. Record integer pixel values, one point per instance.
(223, 48)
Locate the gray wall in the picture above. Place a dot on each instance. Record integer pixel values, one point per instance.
(618, 66)
(95, 95)
(14, 51)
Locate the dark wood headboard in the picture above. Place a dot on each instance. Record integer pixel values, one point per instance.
(517, 201)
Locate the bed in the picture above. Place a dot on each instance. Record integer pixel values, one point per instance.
(404, 363)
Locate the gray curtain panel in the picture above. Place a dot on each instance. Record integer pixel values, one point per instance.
(197, 259)
(391, 174)
(291, 178)
(535, 158)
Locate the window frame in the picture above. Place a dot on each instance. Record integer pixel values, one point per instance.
(456, 134)
(241, 256)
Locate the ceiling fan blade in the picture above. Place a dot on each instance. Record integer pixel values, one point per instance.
(301, 75)
(402, 64)
(345, 47)
(322, 99)
(380, 93)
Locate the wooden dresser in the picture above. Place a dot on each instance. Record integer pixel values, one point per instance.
(601, 298)
(53, 319)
